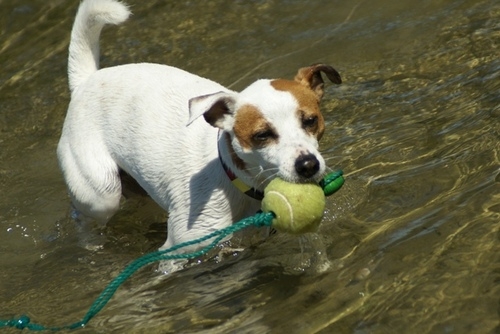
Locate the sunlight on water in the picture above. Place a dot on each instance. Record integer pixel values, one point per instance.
(409, 245)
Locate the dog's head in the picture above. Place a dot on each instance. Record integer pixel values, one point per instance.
(272, 127)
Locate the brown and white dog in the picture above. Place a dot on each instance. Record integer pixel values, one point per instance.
(144, 119)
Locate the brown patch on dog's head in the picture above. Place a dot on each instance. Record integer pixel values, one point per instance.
(252, 129)
(308, 113)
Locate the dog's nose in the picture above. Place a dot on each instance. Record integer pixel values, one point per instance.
(307, 165)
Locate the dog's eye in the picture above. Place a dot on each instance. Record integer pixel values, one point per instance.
(309, 122)
(263, 136)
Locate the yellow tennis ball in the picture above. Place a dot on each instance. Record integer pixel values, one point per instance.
(298, 207)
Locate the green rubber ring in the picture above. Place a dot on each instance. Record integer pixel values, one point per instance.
(332, 182)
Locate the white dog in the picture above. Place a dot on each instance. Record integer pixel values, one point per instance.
(144, 120)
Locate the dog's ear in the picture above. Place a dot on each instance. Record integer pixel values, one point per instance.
(217, 109)
(311, 77)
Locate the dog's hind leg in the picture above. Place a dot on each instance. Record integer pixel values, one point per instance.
(93, 181)
(95, 190)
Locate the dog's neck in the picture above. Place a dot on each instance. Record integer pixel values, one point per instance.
(233, 164)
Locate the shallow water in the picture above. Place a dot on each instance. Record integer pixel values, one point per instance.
(412, 240)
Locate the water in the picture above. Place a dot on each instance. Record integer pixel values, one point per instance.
(412, 240)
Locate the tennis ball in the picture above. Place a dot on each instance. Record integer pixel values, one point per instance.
(298, 207)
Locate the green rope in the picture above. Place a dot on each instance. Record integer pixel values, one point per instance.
(258, 220)
(330, 184)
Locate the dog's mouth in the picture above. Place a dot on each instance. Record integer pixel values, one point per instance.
(306, 169)
(301, 180)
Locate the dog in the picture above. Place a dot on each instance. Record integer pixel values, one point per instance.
(203, 152)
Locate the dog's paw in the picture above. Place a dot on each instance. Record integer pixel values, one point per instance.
(228, 252)
(170, 266)
(90, 235)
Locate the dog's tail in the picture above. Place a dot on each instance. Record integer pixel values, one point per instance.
(92, 15)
